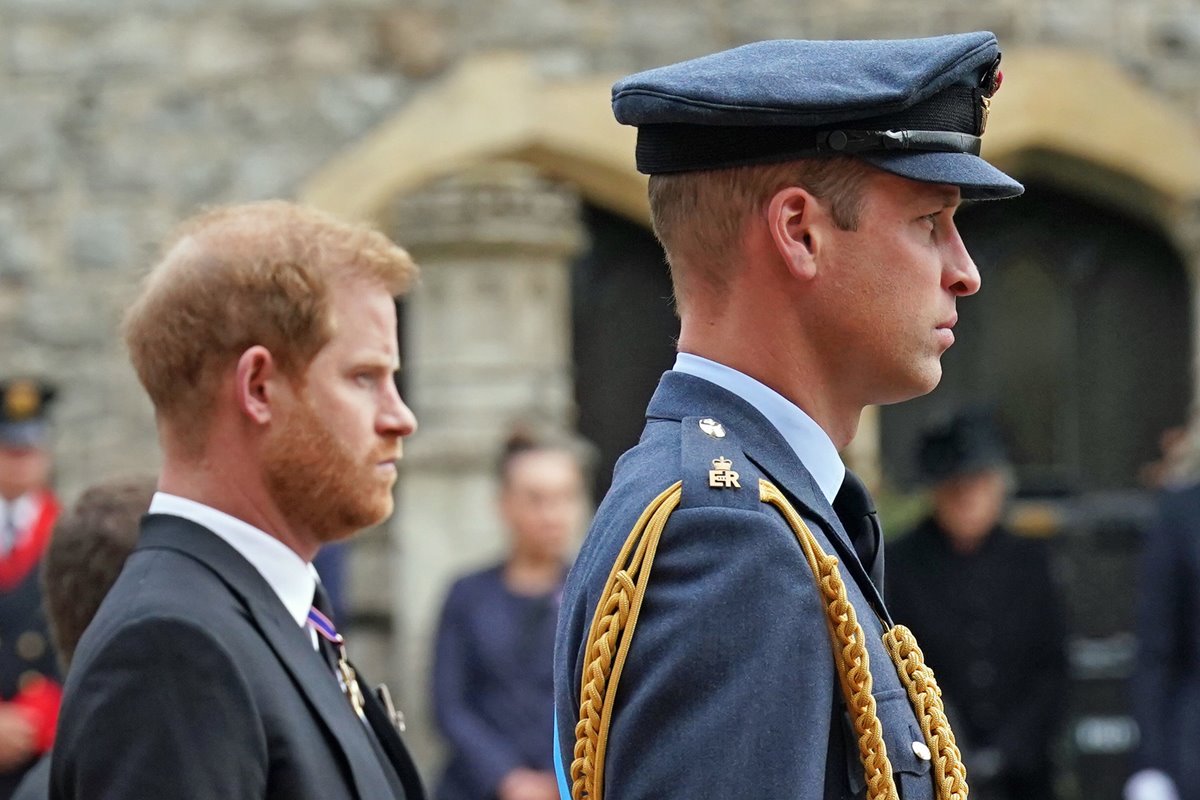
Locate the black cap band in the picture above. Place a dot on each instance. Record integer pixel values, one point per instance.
(949, 122)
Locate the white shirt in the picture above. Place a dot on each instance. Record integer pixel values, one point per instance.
(22, 513)
(808, 441)
(292, 578)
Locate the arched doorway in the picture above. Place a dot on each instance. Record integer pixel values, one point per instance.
(624, 334)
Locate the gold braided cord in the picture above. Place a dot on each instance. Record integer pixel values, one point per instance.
(608, 642)
(949, 774)
(852, 662)
(616, 618)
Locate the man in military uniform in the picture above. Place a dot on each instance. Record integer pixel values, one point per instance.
(83, 558)
(985, 609)
(804, 193)
(29, 689)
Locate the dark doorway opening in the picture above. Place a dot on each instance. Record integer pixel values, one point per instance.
(624, 334)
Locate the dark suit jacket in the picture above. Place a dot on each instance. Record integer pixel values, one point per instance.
(193, 681)
(729, 688)
(992, 626)
(1166, 685)
(36, 783)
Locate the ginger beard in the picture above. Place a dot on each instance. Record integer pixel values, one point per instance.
(318, 483)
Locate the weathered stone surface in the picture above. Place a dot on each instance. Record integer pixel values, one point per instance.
(31, 147)
(101, 239)
(225, 49)
(415, 41)
(349, 104)
(21, 254)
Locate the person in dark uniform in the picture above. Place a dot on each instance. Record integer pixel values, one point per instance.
(986, 610)
(722, 632)
(266, 340)
(493, 684)
(88, 547)
(29, 681)
(1165, 690)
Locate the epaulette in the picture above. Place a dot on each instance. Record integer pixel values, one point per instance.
(716, 471)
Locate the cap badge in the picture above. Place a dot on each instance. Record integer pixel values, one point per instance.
(22, 400)
(712, 428)
(989, 85)
(722, 476)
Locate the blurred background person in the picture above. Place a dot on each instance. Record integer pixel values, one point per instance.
(331, 564)
(86, 552)
(493, 684)
(983, 605)
(29, 681)
(1165, 689)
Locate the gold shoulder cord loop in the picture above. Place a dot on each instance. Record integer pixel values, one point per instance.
(850, 655)
(949, 773)
(616, 617)
(612, 631)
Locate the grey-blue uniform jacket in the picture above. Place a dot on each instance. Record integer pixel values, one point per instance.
(729, 689)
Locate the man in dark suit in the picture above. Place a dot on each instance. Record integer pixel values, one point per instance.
(266, 339)
(804, 193)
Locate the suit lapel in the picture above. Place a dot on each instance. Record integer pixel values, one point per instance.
(393, 745)
(291, 644)
(680, 395)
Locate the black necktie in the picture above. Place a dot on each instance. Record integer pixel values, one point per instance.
(856, 510)
(326, 648)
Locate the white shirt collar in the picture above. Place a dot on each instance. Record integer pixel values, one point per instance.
(24, 509)
(811, 444)
(291, 577)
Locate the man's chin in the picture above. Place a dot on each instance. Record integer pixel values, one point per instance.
(915, 384)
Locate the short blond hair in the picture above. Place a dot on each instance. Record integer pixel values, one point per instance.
(698, 217)
(244, 275)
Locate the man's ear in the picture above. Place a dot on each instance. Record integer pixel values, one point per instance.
(255, 382)
(791, 216)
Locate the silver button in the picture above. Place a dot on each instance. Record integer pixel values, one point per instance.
(712, 428)
(922, 751)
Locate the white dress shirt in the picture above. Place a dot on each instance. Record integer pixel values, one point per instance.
(810, 443)
(292, 578)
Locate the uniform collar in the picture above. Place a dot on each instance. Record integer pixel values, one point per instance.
(805, 437)
(291, 578)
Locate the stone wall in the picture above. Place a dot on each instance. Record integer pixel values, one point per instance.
(118, 120)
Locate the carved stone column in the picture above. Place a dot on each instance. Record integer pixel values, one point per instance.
(487, 343)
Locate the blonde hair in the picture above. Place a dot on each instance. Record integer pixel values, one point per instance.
(698, 217)
(244, 275)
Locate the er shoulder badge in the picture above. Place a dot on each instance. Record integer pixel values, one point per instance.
(722, 476)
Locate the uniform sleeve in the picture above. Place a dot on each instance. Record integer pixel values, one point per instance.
(161, 711)
(1161, 619)
(728, 687)
(483, 754)
(39, 701)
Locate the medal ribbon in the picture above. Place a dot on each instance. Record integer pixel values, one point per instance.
(345, 674)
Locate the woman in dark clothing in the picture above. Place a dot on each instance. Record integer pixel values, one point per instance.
(493, 679)
(983, 605)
